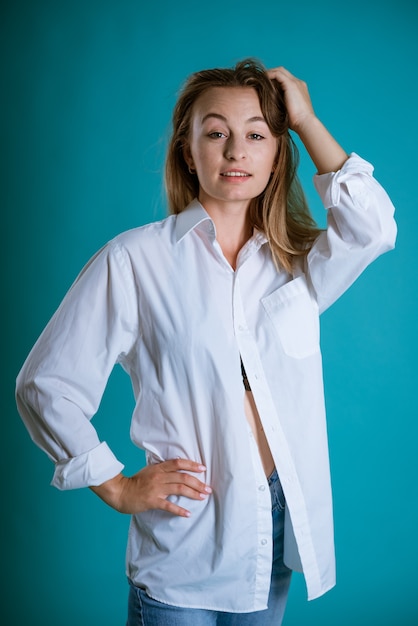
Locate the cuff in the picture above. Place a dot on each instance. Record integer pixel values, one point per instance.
(328, 185)
(91, 468)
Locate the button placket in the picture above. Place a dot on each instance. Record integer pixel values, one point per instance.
(264, 525)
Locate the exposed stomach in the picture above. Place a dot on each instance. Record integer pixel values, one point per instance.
(258, 432)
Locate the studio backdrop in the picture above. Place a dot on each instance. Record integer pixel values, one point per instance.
(87, 93)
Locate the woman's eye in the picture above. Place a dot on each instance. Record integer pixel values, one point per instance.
(256, 136)
(216, 135)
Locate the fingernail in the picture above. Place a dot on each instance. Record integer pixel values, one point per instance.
(202, 496)
(208, 489)
(202, 468)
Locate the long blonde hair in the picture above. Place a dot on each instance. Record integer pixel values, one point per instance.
(281, 210)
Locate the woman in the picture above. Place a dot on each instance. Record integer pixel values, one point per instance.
(213, 312)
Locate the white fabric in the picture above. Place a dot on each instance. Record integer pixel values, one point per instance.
(163, 302)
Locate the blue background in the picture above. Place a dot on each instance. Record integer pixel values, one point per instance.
(88, 89)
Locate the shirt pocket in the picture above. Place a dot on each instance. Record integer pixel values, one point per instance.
(294, 315)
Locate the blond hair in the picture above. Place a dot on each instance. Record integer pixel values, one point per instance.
(281, 210)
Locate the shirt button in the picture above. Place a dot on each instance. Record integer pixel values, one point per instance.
(263, 542)
(262, 488)
(241, 327)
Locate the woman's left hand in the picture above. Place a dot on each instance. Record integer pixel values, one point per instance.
(297, 99)
(324, 150)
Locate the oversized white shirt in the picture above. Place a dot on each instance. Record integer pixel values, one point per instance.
(162, 301)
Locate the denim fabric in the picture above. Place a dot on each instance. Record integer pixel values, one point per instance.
(144, 611)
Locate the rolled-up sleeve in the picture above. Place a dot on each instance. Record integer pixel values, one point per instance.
(360, 227)
(61, 383)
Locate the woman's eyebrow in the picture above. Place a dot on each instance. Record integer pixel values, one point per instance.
(256, 118)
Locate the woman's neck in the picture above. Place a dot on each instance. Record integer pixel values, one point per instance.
(233, 229)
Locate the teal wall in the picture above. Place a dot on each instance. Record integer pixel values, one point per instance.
(87, 91)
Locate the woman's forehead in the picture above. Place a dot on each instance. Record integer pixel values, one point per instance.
(228, 101)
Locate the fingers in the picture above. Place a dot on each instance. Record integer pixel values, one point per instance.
(297, 98)
(179, 483)
(170, 507)
(280, 69)
(176, 465)
(182, 484)
(151, 487)
(176, 481)
(286, 79)
(185, 487)
(280, 73)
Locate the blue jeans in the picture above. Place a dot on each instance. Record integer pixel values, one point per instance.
(144, 611)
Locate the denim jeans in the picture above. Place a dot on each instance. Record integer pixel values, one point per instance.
(144, 611)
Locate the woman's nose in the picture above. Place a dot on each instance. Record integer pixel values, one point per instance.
(235, 149)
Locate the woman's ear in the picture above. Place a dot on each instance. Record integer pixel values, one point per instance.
(187, 155)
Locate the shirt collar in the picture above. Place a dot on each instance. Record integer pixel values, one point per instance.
(193, 215)
(259, 237)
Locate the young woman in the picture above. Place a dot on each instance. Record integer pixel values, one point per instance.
(213, 312)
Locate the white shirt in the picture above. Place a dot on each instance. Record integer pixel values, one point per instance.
(162, 301)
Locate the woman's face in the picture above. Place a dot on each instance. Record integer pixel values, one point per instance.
(231, 147)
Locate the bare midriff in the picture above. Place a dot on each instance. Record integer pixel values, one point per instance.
(258, 432)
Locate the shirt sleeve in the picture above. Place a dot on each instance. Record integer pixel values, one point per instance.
(60, 386)
(360, 227)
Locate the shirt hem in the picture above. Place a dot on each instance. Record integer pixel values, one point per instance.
(204, 607)
(316, 595)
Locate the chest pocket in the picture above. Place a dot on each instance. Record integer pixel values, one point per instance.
(294, 315)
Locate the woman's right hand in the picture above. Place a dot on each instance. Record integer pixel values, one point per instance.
(150, 487)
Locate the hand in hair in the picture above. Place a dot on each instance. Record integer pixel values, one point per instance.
(297, 99)
(324, 150)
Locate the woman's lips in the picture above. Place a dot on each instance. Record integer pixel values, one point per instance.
(235, 174)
